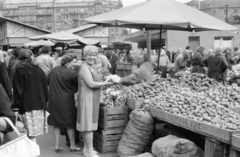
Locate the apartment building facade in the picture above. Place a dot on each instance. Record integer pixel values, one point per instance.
(59, 15)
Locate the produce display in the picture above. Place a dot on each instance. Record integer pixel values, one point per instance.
(113, 96)
(226, 96)
(149, 90)
(196, 105)
(193, 96)
(196, 81)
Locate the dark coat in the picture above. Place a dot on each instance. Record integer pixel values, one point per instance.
(114, 60)
(217, 65)
(197, 63)
(12, 67)
(169, 55)
(5, 108)
(4, 80)
(30, 90)
(63, 84)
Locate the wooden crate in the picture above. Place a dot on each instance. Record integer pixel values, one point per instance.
(120, 73)
(128, 66)
(106, 141)
(120, 66)
(113, 117)
(219, 134)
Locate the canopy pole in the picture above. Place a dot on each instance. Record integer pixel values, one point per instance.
(160, 40)
(149, 46)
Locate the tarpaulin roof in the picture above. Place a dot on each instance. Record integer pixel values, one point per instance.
(172, 15)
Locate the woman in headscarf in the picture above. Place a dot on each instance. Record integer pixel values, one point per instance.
(197, 61)
(216, 64)
(30, 94)
(89, 88)
(63, 82)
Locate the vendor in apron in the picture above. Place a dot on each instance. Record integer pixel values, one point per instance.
(143, 72)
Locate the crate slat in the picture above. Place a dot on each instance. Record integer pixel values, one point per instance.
(113, 117)
(106, 142)
(104, 150)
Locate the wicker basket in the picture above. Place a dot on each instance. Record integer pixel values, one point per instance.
(134, 103)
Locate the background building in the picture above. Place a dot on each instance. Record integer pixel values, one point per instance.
(226, 10)
(59, 15)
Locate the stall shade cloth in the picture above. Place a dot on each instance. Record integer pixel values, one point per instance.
(65, 37)
(172, 15)
(40, 43)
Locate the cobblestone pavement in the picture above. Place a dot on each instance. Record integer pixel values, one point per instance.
(46, 143)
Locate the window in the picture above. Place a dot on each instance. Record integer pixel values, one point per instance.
(58, 17)
(214, 12)
(49, 10)
(11, 11)
(58, 10)
(65, 16)
(223, 42)
(65, 10)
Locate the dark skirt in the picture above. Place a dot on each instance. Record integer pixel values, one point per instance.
(198, 69)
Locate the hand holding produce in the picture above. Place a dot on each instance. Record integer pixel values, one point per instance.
(113, 78)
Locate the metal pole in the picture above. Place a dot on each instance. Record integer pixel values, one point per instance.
(226, 11)
(160, 40)
(149, 46)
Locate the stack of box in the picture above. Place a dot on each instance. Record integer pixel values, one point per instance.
(124, 69)
(112, 122)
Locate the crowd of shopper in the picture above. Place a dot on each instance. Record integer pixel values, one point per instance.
(48, 84)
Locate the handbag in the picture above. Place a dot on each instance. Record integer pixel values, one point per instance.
(21, 146)
(19, 124)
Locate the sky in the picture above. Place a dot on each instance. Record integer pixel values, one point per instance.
(131, 2)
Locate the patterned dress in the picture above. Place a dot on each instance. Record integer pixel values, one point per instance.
(88, 104)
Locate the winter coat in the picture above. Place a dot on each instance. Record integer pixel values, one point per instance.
(217, 65)
(197, 63)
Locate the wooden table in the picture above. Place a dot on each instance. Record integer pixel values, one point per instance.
(217, 140)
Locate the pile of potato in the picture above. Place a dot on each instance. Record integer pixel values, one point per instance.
(227, 96)
(196, 105)
(148, 90)
(196, 81)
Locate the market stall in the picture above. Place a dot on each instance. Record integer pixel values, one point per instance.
(196, 103)
(190, 102)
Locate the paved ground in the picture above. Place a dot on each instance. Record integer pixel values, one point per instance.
(46, 143)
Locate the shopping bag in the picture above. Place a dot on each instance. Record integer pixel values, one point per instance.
(19, 124)
(21, 146)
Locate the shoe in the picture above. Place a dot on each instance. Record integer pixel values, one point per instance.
(75, 149)
(58, 149)
(85, 152)
(91, 154)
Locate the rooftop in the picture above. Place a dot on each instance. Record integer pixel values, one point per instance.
(6, 2)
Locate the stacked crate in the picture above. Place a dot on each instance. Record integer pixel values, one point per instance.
(112, 122)
(124, 69)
